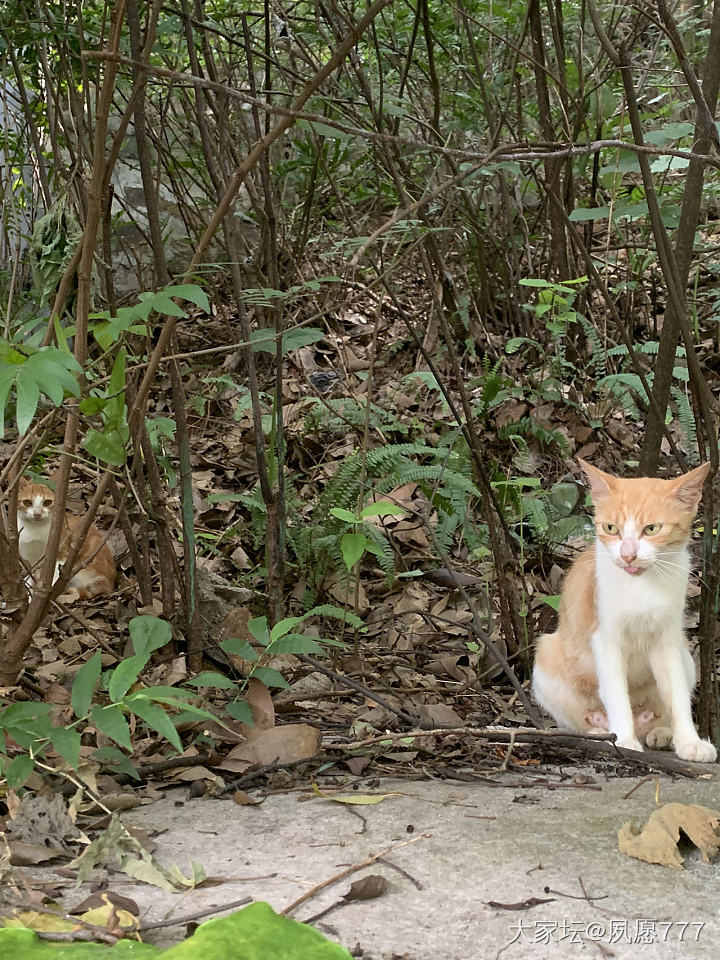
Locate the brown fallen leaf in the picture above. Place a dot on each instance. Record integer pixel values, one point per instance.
(258, 696)
(293, 741)
(367, 888)
(656, 842)
(245, 800)
(101, 898)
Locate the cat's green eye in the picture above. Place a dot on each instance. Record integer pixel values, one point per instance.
(27, 503)
(610, 528)
(651, 529)
(47, 503)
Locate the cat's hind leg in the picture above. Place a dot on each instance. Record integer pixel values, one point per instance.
(566, 705)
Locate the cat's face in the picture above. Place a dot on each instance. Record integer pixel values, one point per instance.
(35, 501)
(641, 522)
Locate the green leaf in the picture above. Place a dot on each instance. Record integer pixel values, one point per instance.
(18, 770)
(191, 292)
(582, 214)
(90, 406)
(210, 679)
(53, 368)
(254, 933)
(239, 648)
(67, 743)
(7, 378)
(382, 509)
(332, 133)
(149, 633)
(284, 626)
(263, 340)
(295, 643)
(114, 414)
(84, 684)
(270, 677)
(341, 514)
(117, 760)
(353, 546)
(300, 337)
(240, 710)
(258, 627)
(162, 303)
(28, 395)
(669, 132)
(553, 602)
(107, 448)
(155, 718)
(111, 721)
(125, 675)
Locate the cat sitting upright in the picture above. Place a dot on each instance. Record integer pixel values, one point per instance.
(619, 659)
(96, 576)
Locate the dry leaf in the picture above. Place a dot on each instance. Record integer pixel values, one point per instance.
(656, 842)
(294, 741)
(367, 888)
(102, 898)
(260, 701)
(243, 799)
(354, 799)
(439, 714)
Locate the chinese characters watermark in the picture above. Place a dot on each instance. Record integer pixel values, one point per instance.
(608, 931)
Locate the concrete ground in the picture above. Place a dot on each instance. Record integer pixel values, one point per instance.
(474, 845)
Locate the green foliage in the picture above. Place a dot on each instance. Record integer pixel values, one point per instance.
(52, 245)
(253, 933)
(107, 698)
(108, 329)
(625, 388)
(29, 373)
(360, 540)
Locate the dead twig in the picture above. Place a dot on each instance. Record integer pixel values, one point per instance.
(346, 873)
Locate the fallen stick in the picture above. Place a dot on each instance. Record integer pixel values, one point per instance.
(346, 873)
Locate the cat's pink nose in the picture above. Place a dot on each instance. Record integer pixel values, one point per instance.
(628, 550)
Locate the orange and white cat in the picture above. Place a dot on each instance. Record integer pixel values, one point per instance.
(96, 575)
(619, 659)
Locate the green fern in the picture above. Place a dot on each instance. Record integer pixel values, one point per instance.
(625, 388)
(597, 357)
(334, 416)
(686, 420)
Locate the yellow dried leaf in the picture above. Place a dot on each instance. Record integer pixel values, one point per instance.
(100, 917)
(360, 799)
(656, 842)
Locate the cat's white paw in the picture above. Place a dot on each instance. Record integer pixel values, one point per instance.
(659, 739)
(629, 743)
(701, 751)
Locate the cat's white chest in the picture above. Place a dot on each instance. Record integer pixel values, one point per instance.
(639, 607)
(32, 540)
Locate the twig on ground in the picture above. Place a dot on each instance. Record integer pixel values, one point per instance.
(198, 915)
(346, 873)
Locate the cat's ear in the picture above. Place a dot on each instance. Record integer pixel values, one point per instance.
(687, 489)
(601, 484)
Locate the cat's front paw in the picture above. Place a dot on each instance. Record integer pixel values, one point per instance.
(700, 751)
(659, 739)
(629, 743)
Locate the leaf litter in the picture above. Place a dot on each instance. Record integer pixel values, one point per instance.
(657, 841)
